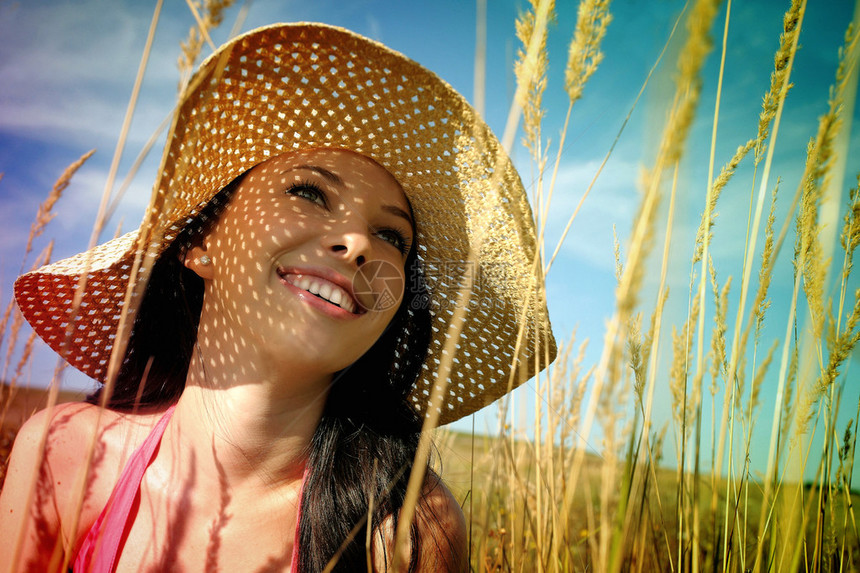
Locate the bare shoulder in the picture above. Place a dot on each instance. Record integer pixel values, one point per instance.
(61, 471)
(86, 449)
(58, 439)
(47, 435)
(441, 528)
(30, 517)
(441, 533)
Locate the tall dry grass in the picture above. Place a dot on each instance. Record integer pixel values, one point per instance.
(550, 506)
(545, 503)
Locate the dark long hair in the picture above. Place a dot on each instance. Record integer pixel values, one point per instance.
(364, 446)
(365, 443)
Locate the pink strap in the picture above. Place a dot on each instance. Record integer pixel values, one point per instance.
(107, 532)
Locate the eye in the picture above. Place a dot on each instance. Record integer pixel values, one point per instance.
(310, 191)
(396, 238)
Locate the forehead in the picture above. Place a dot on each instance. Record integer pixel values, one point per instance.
(343, 168)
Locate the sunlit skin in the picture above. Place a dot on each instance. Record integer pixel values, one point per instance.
(227, 479)
(320, 214)
(261, 339)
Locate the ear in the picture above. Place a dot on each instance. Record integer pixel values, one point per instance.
(199, 261)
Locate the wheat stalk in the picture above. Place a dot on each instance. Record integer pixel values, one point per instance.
(674, 136)
(531, 75)
(44, 215)
(807, 248)
(772, 105)
(212, 17)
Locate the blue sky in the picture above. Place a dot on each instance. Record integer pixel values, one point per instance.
(67, 69)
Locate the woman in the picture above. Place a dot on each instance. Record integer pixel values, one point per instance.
(333, 232)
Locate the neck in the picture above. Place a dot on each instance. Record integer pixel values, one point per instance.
(251, 425)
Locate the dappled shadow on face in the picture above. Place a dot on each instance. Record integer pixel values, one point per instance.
(282, 307)
(282, 261)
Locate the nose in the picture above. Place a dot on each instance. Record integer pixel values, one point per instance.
(349, 242)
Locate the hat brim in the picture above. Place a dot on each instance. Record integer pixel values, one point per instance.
(288, 87)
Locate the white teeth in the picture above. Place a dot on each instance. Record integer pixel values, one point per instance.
(328, 291)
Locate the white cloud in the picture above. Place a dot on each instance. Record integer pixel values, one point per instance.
(68, 71)
(612, 201)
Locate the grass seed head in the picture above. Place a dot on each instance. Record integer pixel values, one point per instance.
(532, 75)
(584, 53)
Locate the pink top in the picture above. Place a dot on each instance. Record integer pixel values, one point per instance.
(102, 546)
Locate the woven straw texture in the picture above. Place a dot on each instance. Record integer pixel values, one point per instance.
(294, 86)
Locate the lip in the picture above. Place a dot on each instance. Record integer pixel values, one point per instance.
(327, 275)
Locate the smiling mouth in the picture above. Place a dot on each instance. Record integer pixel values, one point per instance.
(321, 288)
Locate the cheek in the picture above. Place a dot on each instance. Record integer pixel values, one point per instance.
(277, 226)
(379, 285)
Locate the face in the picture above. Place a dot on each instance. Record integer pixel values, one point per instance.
(306, 264)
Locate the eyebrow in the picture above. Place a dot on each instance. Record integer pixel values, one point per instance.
(330, 176)
(395, 210)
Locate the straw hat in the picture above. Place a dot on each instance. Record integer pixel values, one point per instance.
(293, 86)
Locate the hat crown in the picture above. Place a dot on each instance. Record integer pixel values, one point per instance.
(295, 86)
